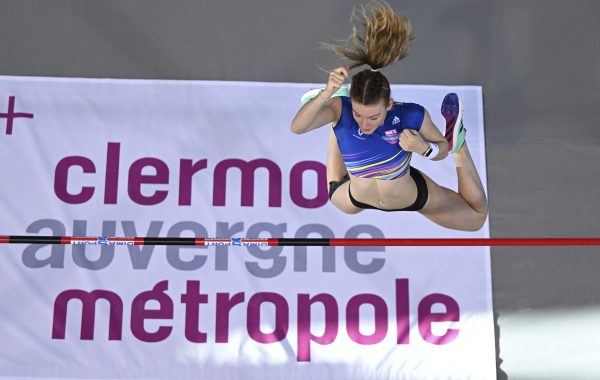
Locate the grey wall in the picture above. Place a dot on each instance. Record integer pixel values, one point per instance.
(538, 62)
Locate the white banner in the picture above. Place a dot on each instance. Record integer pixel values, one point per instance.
(87, 157)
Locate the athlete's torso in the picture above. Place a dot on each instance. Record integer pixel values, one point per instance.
(377, 155)
(376, 162)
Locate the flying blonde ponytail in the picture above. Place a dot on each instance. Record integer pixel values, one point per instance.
(381, 38)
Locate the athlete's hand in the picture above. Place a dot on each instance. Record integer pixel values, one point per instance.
(411, 141)
(337, 77)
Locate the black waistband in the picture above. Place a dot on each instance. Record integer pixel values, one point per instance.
(422, 194)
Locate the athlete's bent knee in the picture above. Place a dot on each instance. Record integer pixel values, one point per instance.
(478, 221)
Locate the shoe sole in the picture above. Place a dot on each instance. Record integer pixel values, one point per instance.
(457, 121)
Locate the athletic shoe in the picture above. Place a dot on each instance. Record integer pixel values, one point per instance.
(455, 131)
(310, 95)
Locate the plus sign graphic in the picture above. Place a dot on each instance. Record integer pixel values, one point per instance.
(11, 115)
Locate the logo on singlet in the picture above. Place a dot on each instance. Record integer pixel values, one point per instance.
(360, 133)
(391, 136)
(396, 120)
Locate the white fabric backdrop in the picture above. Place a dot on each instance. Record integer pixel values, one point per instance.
(150, 158)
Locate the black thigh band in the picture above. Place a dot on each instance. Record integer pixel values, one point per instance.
(333, 185)
(422, 194)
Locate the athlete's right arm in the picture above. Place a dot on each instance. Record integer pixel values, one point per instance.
(321, 110)
(318, 112)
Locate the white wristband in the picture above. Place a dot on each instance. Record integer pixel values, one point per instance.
(432, 152)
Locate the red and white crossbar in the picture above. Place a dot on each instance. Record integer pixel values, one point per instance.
(308, 242)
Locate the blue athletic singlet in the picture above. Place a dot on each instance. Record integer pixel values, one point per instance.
(377, 155)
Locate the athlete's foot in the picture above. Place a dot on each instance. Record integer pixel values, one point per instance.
(462, 157)
(455, 131)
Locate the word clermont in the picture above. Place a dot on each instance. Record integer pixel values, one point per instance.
(72, 170)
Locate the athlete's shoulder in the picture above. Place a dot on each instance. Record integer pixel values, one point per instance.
(411, 114)
(346, 103)
(407, 108)
(345, 118)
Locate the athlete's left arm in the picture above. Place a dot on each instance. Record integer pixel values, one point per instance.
(430, 133)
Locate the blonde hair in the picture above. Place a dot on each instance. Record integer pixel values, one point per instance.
(382, 38)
